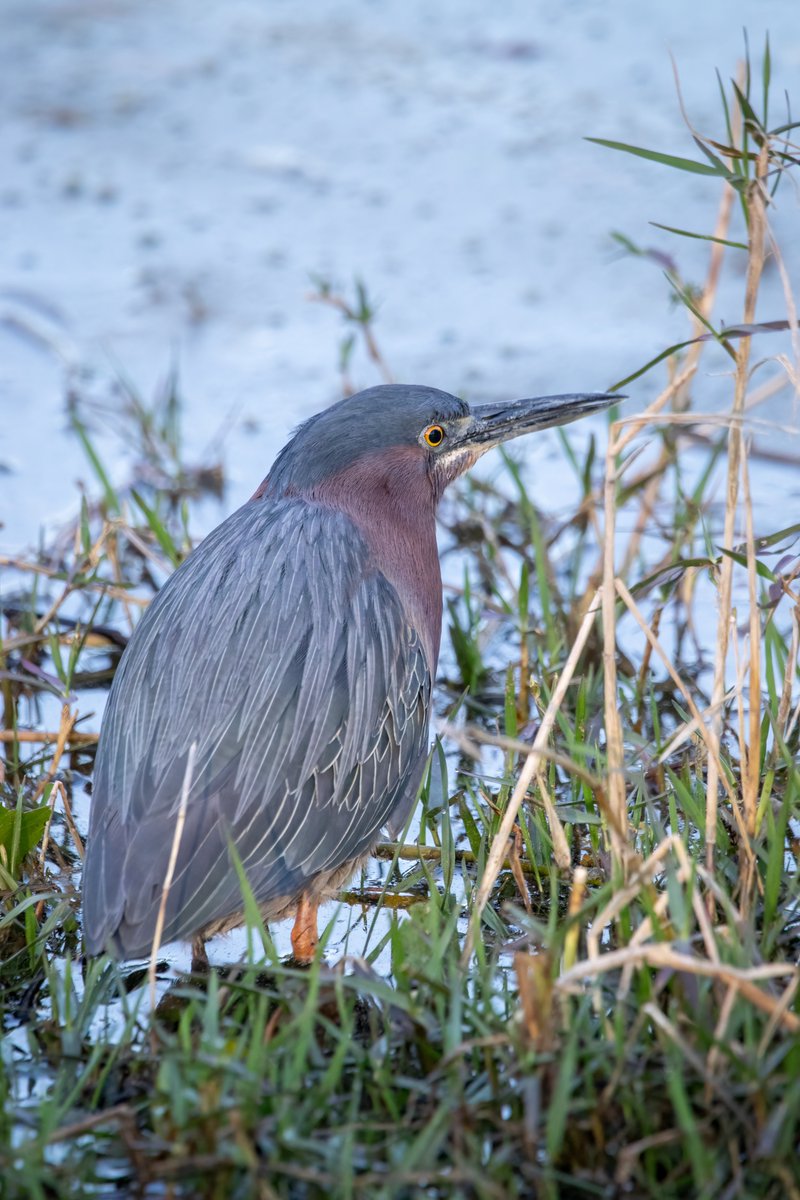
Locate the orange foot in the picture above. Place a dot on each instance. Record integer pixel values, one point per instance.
(304, 933)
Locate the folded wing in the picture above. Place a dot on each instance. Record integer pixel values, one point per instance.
(286, 659)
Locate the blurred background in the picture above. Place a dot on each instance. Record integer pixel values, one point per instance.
(178, 178)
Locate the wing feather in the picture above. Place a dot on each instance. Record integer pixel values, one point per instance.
(281, 653)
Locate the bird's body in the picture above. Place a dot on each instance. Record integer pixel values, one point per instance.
(293, 655)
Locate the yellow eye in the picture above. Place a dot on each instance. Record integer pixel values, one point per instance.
(434, 435)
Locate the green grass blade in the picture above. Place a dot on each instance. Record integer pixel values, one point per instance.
(109, 492)
(158, 529)
(666, 160)
(703, 237)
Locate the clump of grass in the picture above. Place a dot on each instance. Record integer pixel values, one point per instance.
(587, 984)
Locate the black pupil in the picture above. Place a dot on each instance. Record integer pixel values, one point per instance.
(435, 436)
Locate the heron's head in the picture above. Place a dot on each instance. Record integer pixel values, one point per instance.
(418, 439)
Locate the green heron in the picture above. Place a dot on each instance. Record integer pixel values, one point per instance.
(290, 660)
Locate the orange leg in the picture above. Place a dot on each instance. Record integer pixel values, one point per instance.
(304, 933)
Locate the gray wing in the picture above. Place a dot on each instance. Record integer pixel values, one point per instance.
(287, 660)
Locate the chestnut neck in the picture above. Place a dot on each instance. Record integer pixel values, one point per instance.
(390, 497)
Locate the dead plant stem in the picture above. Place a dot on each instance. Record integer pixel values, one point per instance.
(500, 844)
(755, 267)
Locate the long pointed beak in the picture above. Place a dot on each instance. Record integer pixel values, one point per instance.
(495, 423)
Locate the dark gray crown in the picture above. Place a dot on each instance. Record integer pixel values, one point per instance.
(377, 419)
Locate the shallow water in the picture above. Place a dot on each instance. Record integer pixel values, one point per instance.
(174, 174)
